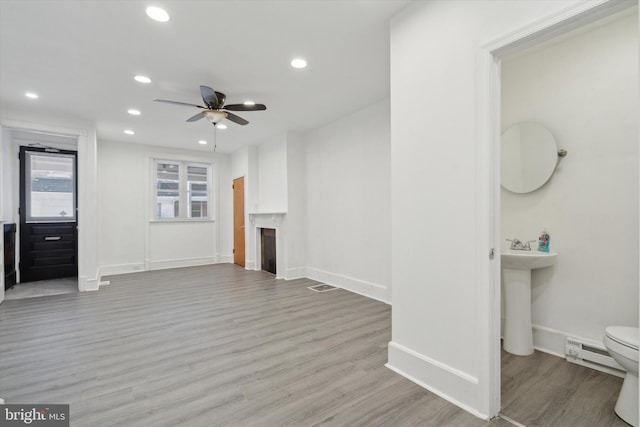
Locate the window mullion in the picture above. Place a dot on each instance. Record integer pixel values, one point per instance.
(184, 191)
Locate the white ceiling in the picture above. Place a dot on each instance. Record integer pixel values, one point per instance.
(81, 57)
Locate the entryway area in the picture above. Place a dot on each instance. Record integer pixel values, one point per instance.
(40, 193)
(42, 288)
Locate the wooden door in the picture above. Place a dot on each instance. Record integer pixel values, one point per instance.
(238, 221)
(48, 214)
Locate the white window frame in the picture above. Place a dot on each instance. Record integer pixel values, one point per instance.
(184, 188)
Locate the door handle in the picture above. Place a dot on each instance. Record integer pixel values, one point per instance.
(49, 238)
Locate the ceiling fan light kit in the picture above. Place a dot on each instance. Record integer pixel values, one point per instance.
(215, 109)
(214, 116)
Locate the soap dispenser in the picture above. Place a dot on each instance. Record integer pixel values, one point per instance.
(544, 240)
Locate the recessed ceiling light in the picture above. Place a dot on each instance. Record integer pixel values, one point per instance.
(133, 112)
(249, 103)
(298, 63)
(142, 79)
(202, 142)
(221, 126)
(129, 132)
(157, 14)
(31, 95)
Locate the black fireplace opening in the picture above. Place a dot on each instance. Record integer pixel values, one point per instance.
(268, 249)
(9, 255)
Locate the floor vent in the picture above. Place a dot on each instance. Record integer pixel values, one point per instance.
(322, 288)
(592, 356)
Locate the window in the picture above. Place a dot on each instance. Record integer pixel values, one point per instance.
(182, 190)
(50, 187)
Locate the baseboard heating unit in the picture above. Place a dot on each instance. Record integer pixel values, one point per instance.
(592, 356)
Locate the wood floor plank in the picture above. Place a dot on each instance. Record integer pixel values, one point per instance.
(592, 403)
(545, 390)
(220, 345)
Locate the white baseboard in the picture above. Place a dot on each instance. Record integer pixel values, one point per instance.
(86, 285)
(177, 263)
(550, 340)
(364, 288)
(226, 259)
(295, 273)
(250, 265)
(457, 387)
(109, 270)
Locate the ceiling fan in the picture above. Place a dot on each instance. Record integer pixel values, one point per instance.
(215, 110)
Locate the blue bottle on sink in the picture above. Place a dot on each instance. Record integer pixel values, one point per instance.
(543, 241)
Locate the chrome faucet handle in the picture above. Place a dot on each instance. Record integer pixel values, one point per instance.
(516, 244)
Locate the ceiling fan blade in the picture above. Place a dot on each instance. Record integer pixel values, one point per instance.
(179, 103)
(236, 119)
(243, 107)
(198, 116)
(209, 97)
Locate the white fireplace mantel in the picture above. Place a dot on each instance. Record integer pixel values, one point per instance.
(265, 217)
(274, 220)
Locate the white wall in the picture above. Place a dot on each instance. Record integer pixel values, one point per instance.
(272, 175)
(334, 185)
(3, 216)
(584, 89)
(6, 177)
(348, 202)
(129, 239)
(296, 245)
(224, 210)
(439, 328)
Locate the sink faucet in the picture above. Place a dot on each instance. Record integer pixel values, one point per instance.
(517, 245)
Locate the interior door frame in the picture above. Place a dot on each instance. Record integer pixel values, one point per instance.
(88, 271)
(488, 173)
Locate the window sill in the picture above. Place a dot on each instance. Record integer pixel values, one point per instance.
(180, 220)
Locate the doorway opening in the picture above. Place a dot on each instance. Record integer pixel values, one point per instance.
(556, 28)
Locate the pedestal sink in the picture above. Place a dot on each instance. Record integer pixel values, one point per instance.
(516, 275)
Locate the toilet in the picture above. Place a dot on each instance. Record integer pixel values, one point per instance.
(622, 343)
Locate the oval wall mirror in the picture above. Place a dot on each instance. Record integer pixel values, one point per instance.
(528, 157)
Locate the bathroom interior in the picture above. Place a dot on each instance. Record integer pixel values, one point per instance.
(582, 88)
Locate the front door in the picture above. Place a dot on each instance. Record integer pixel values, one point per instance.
(48, 214)
(238, 221)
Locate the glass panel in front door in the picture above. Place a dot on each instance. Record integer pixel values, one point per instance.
(50, 190)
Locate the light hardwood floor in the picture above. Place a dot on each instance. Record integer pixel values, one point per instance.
(219, 345)
(545, 390)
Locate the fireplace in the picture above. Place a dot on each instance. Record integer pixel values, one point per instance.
(268, 249)
(274, 224)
